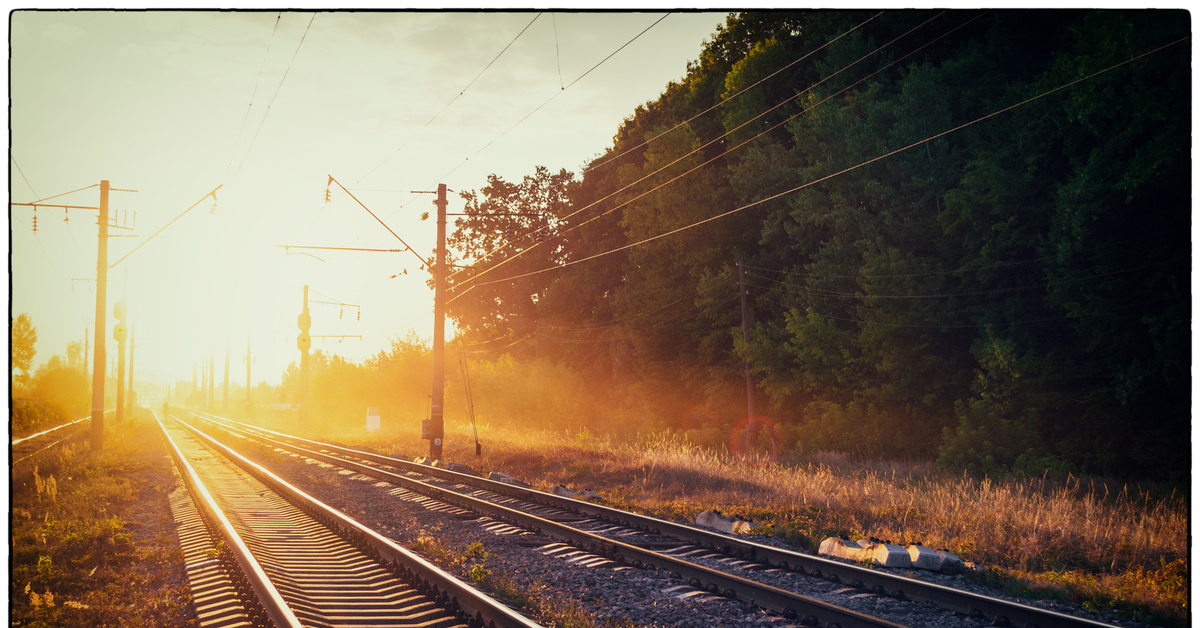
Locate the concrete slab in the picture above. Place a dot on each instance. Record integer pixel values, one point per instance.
(721, 523)
(565, 492)
(882, 554)
(507, 479)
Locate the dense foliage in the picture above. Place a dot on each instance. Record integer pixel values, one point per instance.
(964, 237)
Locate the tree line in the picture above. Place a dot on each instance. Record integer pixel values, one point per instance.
(964, 237)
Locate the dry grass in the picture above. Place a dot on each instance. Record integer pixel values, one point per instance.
(1102, 545)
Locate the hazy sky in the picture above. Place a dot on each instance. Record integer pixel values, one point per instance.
(268, 105)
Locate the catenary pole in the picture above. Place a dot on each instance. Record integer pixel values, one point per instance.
(746, 339)
(436, 414)
(97, 432)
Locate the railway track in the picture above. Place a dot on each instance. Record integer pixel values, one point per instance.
(288, 560)
(642, 541)
(26, 447)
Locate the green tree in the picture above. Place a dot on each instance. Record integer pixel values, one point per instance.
(24, 346)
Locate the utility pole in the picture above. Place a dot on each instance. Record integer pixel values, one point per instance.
(132, 338)
(225, 394)
(212, 378)
(101, 303)
(249, 361)
(304, 342)
(746, 339)
(436, 415)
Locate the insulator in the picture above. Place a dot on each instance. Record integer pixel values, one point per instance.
(339, 314)
(359, 318)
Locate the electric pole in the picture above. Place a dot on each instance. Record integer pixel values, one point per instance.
(249, 361)
(225, 393)
(304, 342)
(436, 416)
(101, 303)
(120, 333)
(746, 339)
(132, 338)
(212, 378)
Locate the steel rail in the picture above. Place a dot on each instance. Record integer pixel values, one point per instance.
(18, 441)
(268, 596)
(1001, 612)
(447, 589)
(787, 603)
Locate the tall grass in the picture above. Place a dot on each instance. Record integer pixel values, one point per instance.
(1100, 543)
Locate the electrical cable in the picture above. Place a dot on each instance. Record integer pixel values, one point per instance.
(556, 95)
(976, 325)
(721, 137)
(841, 172)
(14, 160)
(961, 270)
(274, 96)
(595, 165)
(995, 291)
(360, 204)
(254, 93)
(452, 100)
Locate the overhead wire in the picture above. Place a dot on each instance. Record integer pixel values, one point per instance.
(14, 160)
(452, 100)
(253, 93)
(959, 270)
(556, 95)
(721, 137)
(647, 142)
(274, 96)
(840, 172)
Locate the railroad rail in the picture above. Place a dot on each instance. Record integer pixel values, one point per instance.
(299, 562)
(789, 604)
(999, 612)
(29, 446)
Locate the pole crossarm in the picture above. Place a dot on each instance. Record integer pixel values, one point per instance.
(338, 248)
(213, 194)
(360, 204)
(36, 204)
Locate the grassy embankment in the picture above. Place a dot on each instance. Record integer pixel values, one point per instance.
(91, 535)
(1104, 545)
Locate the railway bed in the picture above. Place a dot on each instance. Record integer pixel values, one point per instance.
(286, 559)
(642, 542)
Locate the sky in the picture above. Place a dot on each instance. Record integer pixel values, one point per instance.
(268, 106)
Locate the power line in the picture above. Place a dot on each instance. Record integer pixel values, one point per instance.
(254, 93)
(721, 138)
(556, 95)
(14, 160)
(838, 173)
(360, 204)
(452, 100)
(595, 165)
(274, 96)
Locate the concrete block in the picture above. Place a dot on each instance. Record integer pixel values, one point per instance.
(950, 562)
(565, 492)
(924, 558)
(462, 468)
(888, 555)
(721, 523)
(844, 549)
(425, 460)
(882, 554)
(507, 479)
